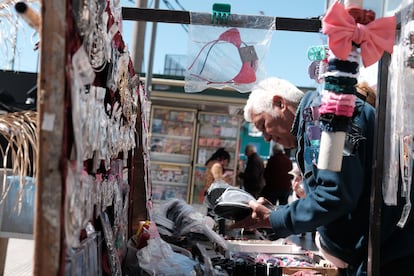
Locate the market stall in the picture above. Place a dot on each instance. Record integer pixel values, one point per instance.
(74, 231)
(293, 25)
(93, 187)
(92, 142)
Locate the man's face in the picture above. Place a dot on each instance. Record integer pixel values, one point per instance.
(275, 126)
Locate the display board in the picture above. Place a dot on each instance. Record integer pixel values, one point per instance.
(48, 251)
(215, 130)
(91, 113)
(171, 149)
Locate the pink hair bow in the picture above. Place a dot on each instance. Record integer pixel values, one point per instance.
(374, 38)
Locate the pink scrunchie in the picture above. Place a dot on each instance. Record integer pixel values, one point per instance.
(338, 104)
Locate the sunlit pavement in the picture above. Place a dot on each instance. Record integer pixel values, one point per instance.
(19, 258)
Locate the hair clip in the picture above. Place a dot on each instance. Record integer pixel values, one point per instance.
(221, 13)
(316, 70)
(319, 52)
(307, 114)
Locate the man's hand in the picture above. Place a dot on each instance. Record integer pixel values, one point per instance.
(298, 189)
(259, 218)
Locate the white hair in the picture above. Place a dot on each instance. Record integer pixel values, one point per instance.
(250, 148)
(261, 98)
(277, 148)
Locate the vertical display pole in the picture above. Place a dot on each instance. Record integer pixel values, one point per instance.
(335, 123)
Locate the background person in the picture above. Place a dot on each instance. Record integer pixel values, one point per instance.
(253, 179)
(297, 186)
(215, 171)
(215, 168)
(278, 186)
(298, 190)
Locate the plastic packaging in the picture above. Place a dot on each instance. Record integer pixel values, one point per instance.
(158, 258)
(220, 57)
(177, 218)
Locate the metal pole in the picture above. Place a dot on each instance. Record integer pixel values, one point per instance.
(148, 86)
(137, 51)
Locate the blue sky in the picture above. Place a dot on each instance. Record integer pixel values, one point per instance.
(286, 57)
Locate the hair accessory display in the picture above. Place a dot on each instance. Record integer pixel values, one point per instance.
(319, 57)
(373, 38)
(94, 40)
(339, 84)
(338, 104)
(342, 65)
(112, 254)
(352, 33)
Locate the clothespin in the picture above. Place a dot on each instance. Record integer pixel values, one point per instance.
(221, 13)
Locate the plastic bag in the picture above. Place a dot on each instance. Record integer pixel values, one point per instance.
(214, 192)
(235, 195)
(158, 258)
(177, 218)
(233, 204)
(220, 57)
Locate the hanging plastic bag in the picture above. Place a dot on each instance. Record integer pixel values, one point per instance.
(233, 57)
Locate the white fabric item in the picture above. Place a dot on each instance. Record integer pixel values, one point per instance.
(330, 151)
(235, 195)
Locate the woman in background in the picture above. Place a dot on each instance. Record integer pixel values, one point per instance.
(215, 168)
(215, 171)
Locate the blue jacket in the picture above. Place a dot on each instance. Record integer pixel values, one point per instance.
(337, 203)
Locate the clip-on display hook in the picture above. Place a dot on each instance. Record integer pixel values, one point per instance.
(221, 13)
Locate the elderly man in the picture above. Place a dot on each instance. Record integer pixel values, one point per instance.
(336, 204)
